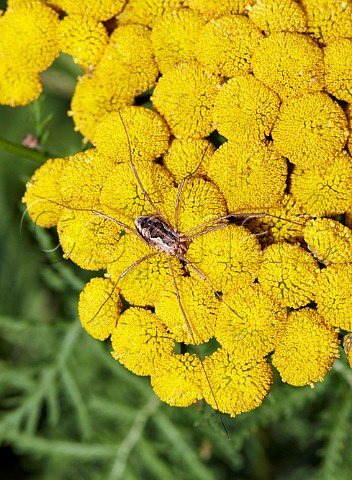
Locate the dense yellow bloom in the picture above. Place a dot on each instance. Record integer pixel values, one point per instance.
(177, 379)
(250, 175)
(329, 241)
(147, 13)
(229, 257)
(245, 109)
(238, 386)
(226, 45)
(333, 295)
(174, 36)
(310, 129)
(99, 308)
(273, 16)
(200, 305)
(147, 135)
(328, 19)
(185, 97)
(188, 156)
(250, 324)
(18, 87)
(324, 189)
(214, 8)
(139, 340)
(338, 68)
(308, 349)
(99, 9)
(296, 64)
(289, 274)
(83, 37)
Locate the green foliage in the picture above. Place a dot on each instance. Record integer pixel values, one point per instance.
(68, 410)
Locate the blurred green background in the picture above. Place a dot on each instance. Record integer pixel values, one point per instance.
(68, 410)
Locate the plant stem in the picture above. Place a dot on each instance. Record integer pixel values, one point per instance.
(19, 150)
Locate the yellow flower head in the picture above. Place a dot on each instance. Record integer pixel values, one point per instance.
(229, 257)
(296, 64)
(251, 175)
(147, 136)
(147, 13)
(18, 87)
(188, 156)
(308, 349)
(289, 274)
(83, 37)
(333, 295)
(213, 8)
(99, 9)
(250, 324)
(338, 68)
(177, 379)
(347, 346)
(324, 190)
(184, 95)
(245, 109)
(274, 16)
(328, 19)
(174, 36)
(200, 305)
(99, 308)
(226, 45)
(139, 340)
(310, 129)
(238, 386)
(329, 241)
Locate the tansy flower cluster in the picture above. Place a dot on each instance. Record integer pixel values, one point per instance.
(273, 278)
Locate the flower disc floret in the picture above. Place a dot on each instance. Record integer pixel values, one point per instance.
(250, 175)
(245, 109)
(296, 64)
(226, 45)
(99, 308)
(329, 240)
(134, 131)
(250, 324)
(272, 16)
(333, 295)
(338, 68)
(324, 190)
(177, 378)
(213, 8)
(18, 87)
(185, 97)
(174, 37)
(238, 386)
(147, 13)
(308, 349)
(310, 129)
(289, 274)
(83, 37)
(100, 9)
(139, 340)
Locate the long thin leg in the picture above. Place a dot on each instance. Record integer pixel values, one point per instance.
(177, 291)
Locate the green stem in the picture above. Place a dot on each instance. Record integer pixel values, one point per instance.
(19, 150)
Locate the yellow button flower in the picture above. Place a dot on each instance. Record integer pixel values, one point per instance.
(250, 324)
(308, 349)
(289, 274)
(174, 36)
(184, 95)
(272, 16)
(99, 308)
(83, 37)
(139, 340)
(296, 64)
(333, 295)
(324, 190)
(338, 68)
(99, 9)
(147, 13)
(214, 8)
(226, 45)
(18, 87)
(245, 109)
(251, 175)
(177, 378)
(310, 129)
(238, 386)
(329, 241)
